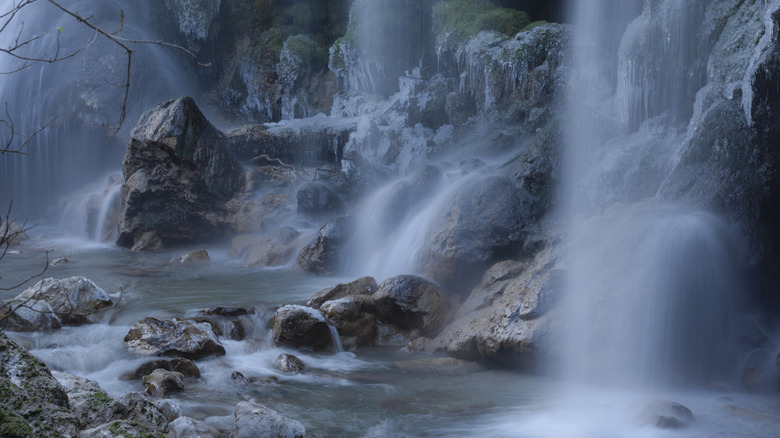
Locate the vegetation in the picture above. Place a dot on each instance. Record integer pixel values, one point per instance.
(458, 20)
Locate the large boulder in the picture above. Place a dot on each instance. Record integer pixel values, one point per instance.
(323, 254)
(32, 401)
(185, 367)
(186, 427)
(72, 299)
(361, 286)
(300, 326)
(175, 337)
(484, 221)
(411, 302)
(28, 316)
(354, 319)
(178, 177)
(162, 382)
(255, 420)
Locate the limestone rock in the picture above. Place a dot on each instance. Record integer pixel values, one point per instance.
(322, 254)
(174, 337)
(14, 233)
(181, 365)
(299, 326)
(354, 319)
(162, 382)
(255, 420)
(412, 302)
(197, 256)
(186, 427)
(289, 363)
(28, 316)
(71, 299)
(176, 167)
(361, 286)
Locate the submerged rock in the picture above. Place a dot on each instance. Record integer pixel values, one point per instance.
(50, 303)
(254, 420)
(412, 302)
(176, 167)
(289, 363)
(665, 415)
(299, 326)
(361, 286)
(174, 337)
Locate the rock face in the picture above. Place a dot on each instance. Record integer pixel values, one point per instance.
(32, 402)
(175, 337)
(255, 420)
(317, 201)
(178, 177)
(411, 302)
(483, 222)
(361, 286)
(50, 303)
(299, 326)
(322, 255)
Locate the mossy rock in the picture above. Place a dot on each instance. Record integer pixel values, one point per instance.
(458, 20)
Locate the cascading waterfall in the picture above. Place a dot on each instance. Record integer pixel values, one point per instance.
(653, 291)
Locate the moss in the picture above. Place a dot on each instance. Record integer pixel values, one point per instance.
(307, 50)
(12, 425)
(461, 19)
(98, 400)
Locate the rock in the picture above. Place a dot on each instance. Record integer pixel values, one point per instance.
(32, 401)
(318, 201)
(198, 256)
(261, 251)
(270, 211)
(148, 241)
(483, 221)
(14, 233)
(299, 326)
(162, 382)
(353, 318)
(170, 408)
(184, 366)
(361, 286)
(27, 317)
(95, 408)
(71, 299)
(227, 312)
(175, 337)
(289, 363)
(322, 254)
(665, 415)
(59, 261)
(186, 427)
(255, 420)
(117, 429)
(412, 302)
(254, 381)
(176, 167)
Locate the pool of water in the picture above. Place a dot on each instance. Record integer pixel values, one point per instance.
(378, 392)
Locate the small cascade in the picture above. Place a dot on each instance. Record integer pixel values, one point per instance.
(334, 335)
(108, 215)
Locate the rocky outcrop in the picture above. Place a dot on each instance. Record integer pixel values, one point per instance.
(299, 326)
(410, 302)
(323, 254)
(255, 420)
(178, 177)
(51, 303)
(361, 286)
(174, 337)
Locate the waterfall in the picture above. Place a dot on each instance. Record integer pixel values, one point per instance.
(654, 287)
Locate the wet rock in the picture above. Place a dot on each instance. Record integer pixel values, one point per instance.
(361, 286)
(197, 256)
(176, 167)
(228, 312)
(353, 318)
(175, 337)
(317, 201)
(186, 427)
(665, 415)
(59, 261)
(51, 303)
(239, 377)
(272, 210)
(170, 408)
(299, 327)
(184, 366)
(255, 420)
(270, 250)
(162, 382)
(14, 233)
(32, 401)
(322, 254)
(482, 222)
(148, 241)
(289, 363)
(412, 302)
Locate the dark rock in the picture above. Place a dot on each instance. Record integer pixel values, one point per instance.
(228, 312)
(197, 256)
(175, 337)
(255, 381)
(299, 326)
(361, 286)
(353, 318)
(412, 302)
(665, 415)
(483, 222)
(237, 331)
(318, 201)
(289, 363)
(32, 401)
(162, 382)
(178, 177)
(184, 366)
(322, 255)
(253, 420)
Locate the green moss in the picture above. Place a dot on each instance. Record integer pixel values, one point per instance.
(462, 19)
(98, 400)
(12, 425)
(307, 50)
